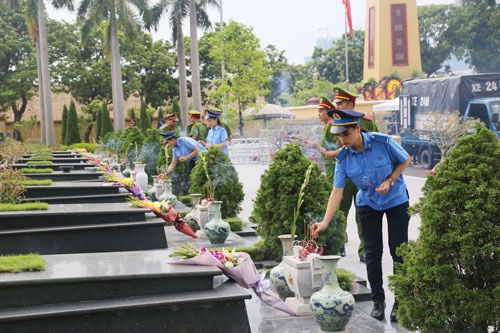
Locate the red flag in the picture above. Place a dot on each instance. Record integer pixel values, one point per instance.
(348, 15)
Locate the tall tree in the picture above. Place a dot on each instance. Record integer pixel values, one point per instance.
(114, 13)
(435, 45)
(475, 32)
(35, 18)
(247, 74)
(18, 68)
(197, 18)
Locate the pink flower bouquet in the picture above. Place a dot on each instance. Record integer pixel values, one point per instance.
(238, 266)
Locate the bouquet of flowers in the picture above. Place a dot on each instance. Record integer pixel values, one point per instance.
(238, 266)
(128, 183)
(165, 211)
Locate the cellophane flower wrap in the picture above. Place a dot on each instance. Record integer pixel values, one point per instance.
(244, 272)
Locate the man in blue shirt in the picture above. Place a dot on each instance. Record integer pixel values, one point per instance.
(375, 164)
(184, 149)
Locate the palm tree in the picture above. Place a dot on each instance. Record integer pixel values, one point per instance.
(179, 10)
(35, 20)
(114, 12)
(197, 18)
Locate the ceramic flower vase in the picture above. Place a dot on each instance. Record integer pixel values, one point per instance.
(167, 194)
(127, 171)
(216, 229)
(141, 178)
(278, 278)
(190, 217)
(152, 190)
(332, 307)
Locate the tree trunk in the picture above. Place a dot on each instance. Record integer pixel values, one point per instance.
(40, 92)
(181, 55)
(240, 114)
(116, 79)
(50, 139)
(18, 115)
(195, 61)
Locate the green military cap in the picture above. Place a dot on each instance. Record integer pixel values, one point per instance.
(324, 102)
(344, 95)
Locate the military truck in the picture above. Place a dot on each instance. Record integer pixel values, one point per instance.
(473, 96)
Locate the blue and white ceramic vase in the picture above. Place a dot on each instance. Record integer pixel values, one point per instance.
(332, 307)
(190, 217)
(216, 229)
(167, 194)
(277, 276)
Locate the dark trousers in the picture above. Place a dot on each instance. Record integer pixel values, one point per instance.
(397, 226)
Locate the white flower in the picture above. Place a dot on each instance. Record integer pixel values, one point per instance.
(228, 264)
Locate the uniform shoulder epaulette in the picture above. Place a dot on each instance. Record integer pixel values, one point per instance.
(379, 137)
(341, 155)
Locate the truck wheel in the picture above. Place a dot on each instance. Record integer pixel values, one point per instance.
(426, 159)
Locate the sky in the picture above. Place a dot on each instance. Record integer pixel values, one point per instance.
(293, 26)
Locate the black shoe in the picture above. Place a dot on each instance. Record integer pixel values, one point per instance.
(342, 251)
(362, 257)
(378, 311)
(394, 312)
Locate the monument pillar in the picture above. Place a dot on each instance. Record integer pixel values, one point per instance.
(391, 39)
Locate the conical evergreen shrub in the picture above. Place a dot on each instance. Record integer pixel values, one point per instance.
(450, 280)
(145, 120)
(107, 123)
(98, 125)
(277, 197)
(222, 173)
(64, 123)
(72, 131)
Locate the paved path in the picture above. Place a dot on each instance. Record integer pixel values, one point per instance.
(249, 175)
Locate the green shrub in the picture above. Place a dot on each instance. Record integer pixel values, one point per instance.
(107, 123)
(33, 170)
(90, 147)
(277, 197)
(215, 169)
(449, 281)
(235, 222)
(37, 182)
(12, 191)
(346, 279)
(6, 207)
(257, 251)
(145, 118)
(21, 263)
(37, 162)
(64, 124)
(150, 150)
(72, 131)
(185, 199)
(42, 157)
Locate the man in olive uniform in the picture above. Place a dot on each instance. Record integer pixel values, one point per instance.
(345, 100)
(171, 121)
(197, 130)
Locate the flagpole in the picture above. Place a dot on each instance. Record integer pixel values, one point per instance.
(346, 53)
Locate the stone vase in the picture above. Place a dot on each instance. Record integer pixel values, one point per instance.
(277, 275)
(141, 178)
(304, 277)
(331, 306)
(167, 194)
(216, 229)
(190, 217)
